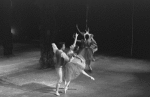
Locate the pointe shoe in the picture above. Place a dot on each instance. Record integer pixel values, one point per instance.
(57, 94)
(66, 89)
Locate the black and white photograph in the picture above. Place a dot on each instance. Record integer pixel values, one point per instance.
(74, 48)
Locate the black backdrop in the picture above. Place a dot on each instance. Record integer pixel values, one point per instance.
(109, 20)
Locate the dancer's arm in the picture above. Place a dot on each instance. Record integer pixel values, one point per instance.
(93, 41)
(92, 78)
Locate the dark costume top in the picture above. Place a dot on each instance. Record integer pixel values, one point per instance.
(91, 44)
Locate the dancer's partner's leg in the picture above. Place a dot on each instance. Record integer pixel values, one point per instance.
(60, 75)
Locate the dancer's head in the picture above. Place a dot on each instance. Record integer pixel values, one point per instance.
(91, 36)
(62, 45)
(87, 37)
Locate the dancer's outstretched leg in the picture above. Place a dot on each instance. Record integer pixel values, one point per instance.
(83, 72)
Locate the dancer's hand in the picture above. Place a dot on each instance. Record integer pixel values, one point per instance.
(77, 34)
(92, 78)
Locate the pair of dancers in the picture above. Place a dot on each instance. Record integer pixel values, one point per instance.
(68, 65)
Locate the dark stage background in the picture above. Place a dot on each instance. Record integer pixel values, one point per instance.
(109, 20)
